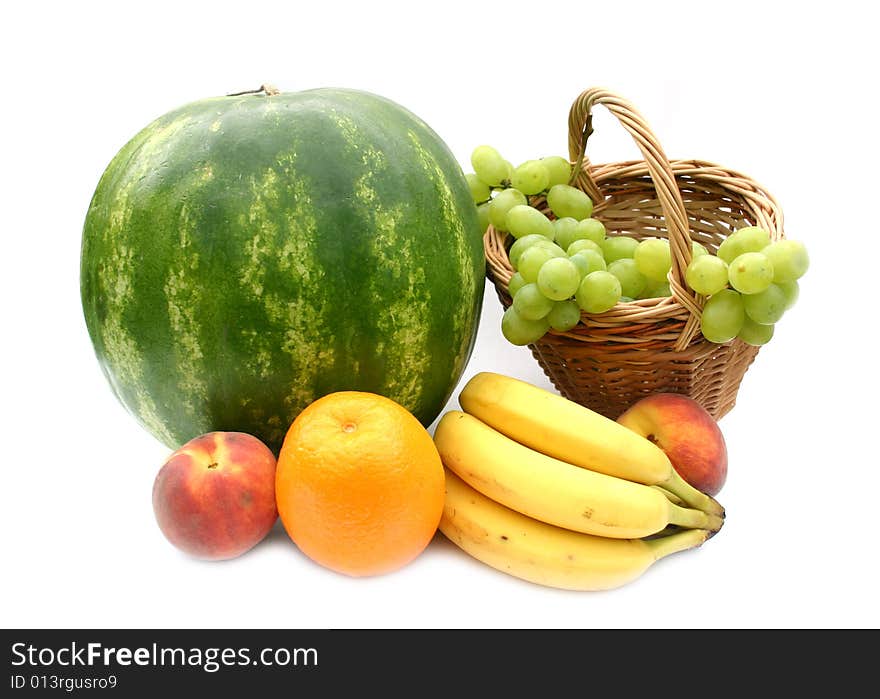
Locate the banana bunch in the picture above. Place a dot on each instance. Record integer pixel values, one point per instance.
(549, 491)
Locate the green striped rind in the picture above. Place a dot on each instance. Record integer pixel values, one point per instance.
(244, 256)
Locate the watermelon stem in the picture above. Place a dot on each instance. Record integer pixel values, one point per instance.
(265, 87)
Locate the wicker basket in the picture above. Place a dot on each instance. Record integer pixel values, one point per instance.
(610, 360)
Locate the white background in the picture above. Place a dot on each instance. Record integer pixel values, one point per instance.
(785, 93)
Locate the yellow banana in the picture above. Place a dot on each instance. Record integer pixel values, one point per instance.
(561, 428)
(541, 553)
(553, 491)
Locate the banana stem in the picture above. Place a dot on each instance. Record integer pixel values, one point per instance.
(664, 546)
(678, 486)
(693, 518)
(670, 496)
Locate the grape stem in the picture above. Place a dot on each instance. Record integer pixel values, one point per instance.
(587, 132)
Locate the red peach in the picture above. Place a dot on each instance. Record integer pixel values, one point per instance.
(688, 435)
(214, 498)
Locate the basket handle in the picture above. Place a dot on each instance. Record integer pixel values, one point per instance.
(678, 230)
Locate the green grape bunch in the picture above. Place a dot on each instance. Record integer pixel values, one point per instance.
(565, 263)
(749, 284)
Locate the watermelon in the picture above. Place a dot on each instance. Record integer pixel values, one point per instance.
(243, 256)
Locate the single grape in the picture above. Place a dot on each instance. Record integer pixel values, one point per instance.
(729, 250)
(558, 168)
(655, 290)
(750, 273)
(653, 258)
(488, 165)
(480, 191)
(618, 247)
(503, 202)
(519, 331)
(723, 316)
(558, 278)
(531, 260)
(564, 231)
(515, 284)
(588, 261)
(751, 238)
(565, 200)
(706, 274)
(632, 282)
(531, 177)
(565, 315)
(753, 333)
(754, 238)
(748, 239)
(530, 303)
(591, 229)
(598, 292)
(791, 291)
(483, 215)
(789, 259)
(766, 307)
(583, 244)
(698, 249)
(523, 219)
(520, 245)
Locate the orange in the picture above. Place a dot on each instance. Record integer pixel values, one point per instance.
(359, 484)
